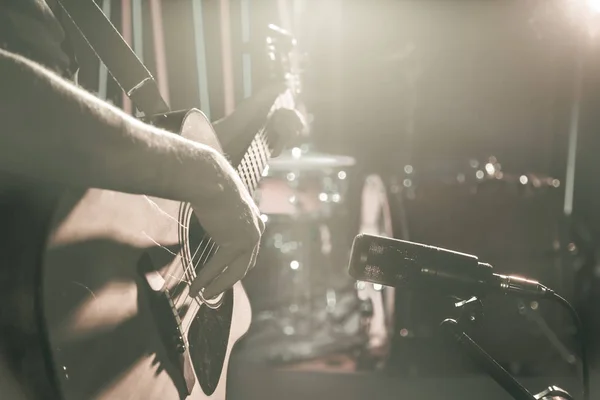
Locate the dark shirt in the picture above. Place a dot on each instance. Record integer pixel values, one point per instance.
(33, 29)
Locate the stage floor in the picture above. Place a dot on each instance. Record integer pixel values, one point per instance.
(249, 382)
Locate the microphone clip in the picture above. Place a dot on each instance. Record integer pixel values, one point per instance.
(470, 311)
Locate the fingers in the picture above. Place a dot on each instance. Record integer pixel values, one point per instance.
(286, 124)
(234, 273)
(213, 268)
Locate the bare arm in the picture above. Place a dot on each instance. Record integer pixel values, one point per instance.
(53, 130)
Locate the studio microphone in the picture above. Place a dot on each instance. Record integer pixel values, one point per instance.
(403, 264)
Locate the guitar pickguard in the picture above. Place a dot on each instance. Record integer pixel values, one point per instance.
(208, 338)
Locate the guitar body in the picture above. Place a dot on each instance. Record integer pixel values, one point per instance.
(93, 294)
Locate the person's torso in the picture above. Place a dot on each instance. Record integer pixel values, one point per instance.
(33, 29)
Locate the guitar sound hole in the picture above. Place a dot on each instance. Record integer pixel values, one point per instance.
(208, 336)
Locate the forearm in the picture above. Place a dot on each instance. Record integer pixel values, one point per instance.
(55, 131)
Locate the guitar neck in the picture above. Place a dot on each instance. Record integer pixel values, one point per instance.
(252, 158)
(254, 161)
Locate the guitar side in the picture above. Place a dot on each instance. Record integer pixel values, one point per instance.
(96, 332)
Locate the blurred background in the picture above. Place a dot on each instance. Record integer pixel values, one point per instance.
(470, 125)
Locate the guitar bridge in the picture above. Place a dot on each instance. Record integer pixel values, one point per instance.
(168, 325)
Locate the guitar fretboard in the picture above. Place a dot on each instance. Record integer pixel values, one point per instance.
(255, 160)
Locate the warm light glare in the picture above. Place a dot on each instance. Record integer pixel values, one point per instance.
(594, 5)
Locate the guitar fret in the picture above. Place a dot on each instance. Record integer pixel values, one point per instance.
(249, 183)
(254, 162)
(252, 154)
(242, 173)
(261, 157)
(256, 159)
(249, 174)
(246, 172)
(265, 162)
(261, 147)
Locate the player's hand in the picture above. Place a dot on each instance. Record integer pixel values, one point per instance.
(285, 124)
(232, 220)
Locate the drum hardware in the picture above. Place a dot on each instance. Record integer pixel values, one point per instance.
(306, 306)
(303, 184)
(298, 160)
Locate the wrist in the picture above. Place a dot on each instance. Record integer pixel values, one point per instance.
(206, 177)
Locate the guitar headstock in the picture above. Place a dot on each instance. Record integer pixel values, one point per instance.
(285, 58)
(286, 62)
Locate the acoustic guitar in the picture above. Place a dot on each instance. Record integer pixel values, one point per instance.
(94, 297)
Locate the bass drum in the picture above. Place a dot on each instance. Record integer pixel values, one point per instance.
(369, 212)
(378, 312)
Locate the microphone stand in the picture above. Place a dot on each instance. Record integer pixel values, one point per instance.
(472, 311)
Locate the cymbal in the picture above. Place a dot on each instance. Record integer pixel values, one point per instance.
(295, 161)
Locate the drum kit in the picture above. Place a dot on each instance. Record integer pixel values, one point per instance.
(305, 306)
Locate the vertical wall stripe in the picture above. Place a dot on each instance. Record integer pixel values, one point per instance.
(138, 29)
(227, 58)
(285, 20)
(245, 20)
(574, 131)
(247, 74)
(201, 57)
(298, 7)
(246, 58)
(159, 48)
(103, 72)
(127, 33)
